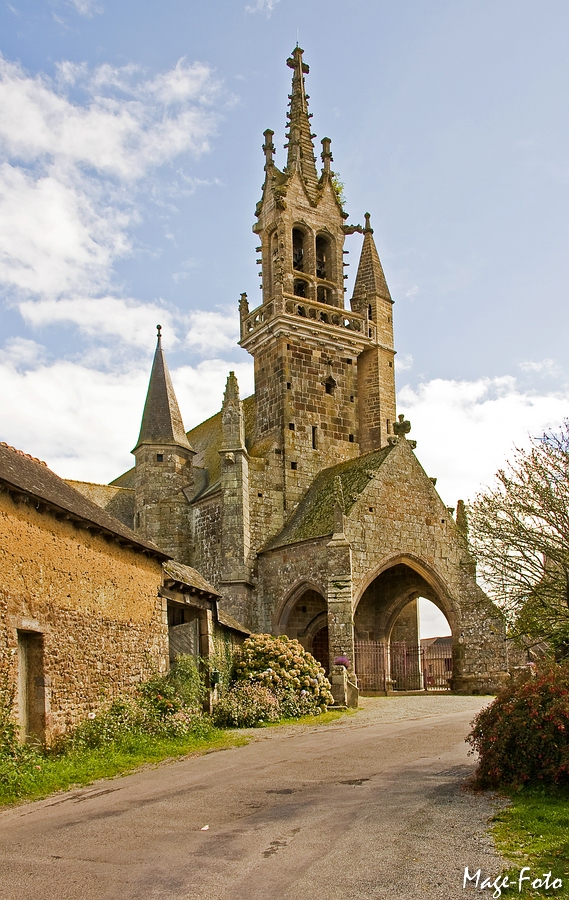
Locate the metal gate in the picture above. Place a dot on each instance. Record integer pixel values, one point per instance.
(398, 666)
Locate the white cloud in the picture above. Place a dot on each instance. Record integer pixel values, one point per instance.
(134, 323)
(466, 430)
(212, 332)
(403, 362)
(84, 422)
(262, 6)
(86, 7)
(69, 170)
(547, 367)
(412, 292)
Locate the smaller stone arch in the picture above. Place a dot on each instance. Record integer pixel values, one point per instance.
(283, 610)
(303, 615)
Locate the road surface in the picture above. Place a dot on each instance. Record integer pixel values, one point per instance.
(371, 806)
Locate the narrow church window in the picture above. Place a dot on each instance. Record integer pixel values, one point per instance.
(314, 431)
(300, 291)
(303, 608)
(259, 494)
(323, 294)
(298, 250)
(351, 438)
(322, 256)
(330, 384)
(293, 465)
(288, 385)
(388, 426)
(369, 311)
(278, 451)
(390, 365)
(352, 398)
(159, 457)
(291, 426)
(138, 520)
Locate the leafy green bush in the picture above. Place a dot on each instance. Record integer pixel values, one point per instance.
(283, 666)
(246, 705)
(167, 706)
(523, 736)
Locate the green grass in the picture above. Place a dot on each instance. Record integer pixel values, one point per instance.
(534, 831)
(323, 719)
(40, 774)
(35, 775)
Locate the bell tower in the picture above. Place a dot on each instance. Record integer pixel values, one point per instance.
(305, 344)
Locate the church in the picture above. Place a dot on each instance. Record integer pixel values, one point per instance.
(304, 504)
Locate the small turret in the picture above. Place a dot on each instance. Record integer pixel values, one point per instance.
(163, 466)
(376, 367)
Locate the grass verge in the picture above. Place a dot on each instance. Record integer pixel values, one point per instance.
(41, 774)
(38, 775)
(534, 831)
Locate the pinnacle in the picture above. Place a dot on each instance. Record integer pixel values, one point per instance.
(231, 388)
(161, 420)
(300, 146)
(370, 278)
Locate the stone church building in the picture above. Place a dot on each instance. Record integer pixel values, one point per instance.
(304, 504)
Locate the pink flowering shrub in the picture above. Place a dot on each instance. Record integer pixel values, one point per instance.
(523, 736)
(246, 705)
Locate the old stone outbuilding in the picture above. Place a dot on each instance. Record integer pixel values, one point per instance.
(87, 608)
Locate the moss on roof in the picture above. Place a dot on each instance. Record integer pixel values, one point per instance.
(314, 516)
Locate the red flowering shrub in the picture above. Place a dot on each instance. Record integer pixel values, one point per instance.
(523, 736)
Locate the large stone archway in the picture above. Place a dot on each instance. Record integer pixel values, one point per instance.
(388, 651)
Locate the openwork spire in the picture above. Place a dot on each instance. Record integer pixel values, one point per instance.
(161, 419)
(299, 135)
(370, 278)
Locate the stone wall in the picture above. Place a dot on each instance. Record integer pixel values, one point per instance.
(92, 603)
(206, 528)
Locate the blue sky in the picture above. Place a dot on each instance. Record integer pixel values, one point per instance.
(131, 162)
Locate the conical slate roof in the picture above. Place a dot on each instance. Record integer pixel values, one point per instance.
(161, 419)
(300, 146)
(370, 278)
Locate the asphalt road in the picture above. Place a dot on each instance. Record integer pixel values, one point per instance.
(369, 807)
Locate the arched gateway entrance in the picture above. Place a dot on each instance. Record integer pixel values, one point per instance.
(389, 654)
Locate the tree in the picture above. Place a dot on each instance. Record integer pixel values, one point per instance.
(520, 536)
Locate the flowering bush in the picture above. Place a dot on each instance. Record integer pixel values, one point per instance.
(523, 736)
(246, 705)
(342, 661)
(283, 666)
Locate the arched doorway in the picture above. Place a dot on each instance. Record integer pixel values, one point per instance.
(389, 652)
(304, 616)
